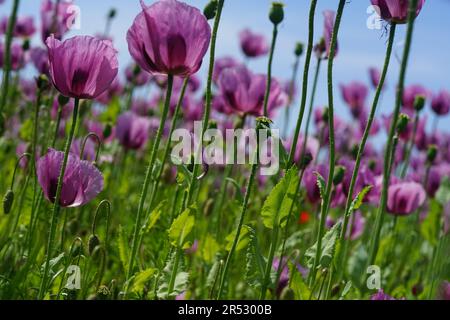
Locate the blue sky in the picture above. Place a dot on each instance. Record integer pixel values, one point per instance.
(360, 47)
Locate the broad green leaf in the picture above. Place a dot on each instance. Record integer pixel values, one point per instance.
(329, 242)
(214, 271)
(208, 248)
(358, 201)
(278, 204)
(430, 227)
(181, 280)
(142, 278)
(256, 263)
(298, 285)
(122, 243)
(53, 263)
(181, 228)
(153, 217)
(242, 242)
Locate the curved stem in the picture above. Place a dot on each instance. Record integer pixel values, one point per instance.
(389, 150)
(365, 137)
(327, 196)
(207, 112)
(309, 50)
(148, 177)
(56, 206)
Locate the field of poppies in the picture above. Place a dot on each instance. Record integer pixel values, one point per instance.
(118, 182)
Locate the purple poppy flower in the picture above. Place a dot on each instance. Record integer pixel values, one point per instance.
(444, 291)
(115, 90)
(18, 58)
(395, 11)
(90, 149)
(405, 197)
(132, 131)
(39, 57)
(222, 64)
(380, 295)
(82, 67)
(329, 19)
(24, 27)
(169, 37)
(253, 45)
(355, 95)
(243, 92)
(82, 181)
(411, 93)
(142, 107)
(441, 103)
(137, 76)
(64, 19)
(375, 77)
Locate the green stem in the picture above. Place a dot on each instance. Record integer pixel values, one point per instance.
(268, 271)
(327, 196)
(309, 50)
(173, 275)
(410, 146)
(287, 112)
(365, 137)
(148, 177)
(269, 71)
(389, 150)
(7, 61)
(56, 206)
(207, 111)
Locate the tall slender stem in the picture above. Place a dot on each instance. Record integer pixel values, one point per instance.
(389, 149)
(56, 206)
(410, 146)
(309, 50)
(291, 95)
(332, 156)
(7, 61)
(148, 177)
(269, 71)
(207, 111)
(366, 134)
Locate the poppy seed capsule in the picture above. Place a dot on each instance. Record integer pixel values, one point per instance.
(211, 9)
(107, 130)
(112, 13)
(26, 45)
(339, 175)
(8, 201)
(419, 103)
(432, 153)
(42, 82)
(94, 241)
(299, 48)
(63, 100)
(402, 124)
(276, 14)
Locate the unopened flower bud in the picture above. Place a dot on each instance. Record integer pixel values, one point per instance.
(211, 9)
(419, 103)
(402, 123)
(432, 153)
(299, 48)
(94, 241)
(306, 160)
(112, 13)
(107, 130)
(62, 100)
(339, 175)
(42, 82)
(26, 45)
(136, 70)
(276, 14)
(8, 201)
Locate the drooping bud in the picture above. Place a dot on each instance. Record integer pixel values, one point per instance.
(419, 103)
(402, 124)
(276, 14)
(299, 48)
(211, 9)
(8, 201)
(432, 153)
(94, 241)
(339, 175)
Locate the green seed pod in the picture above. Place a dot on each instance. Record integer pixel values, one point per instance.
(112, 13)
(94, 241)
(42, 82)
(26, 45)
(339, 175)
(276, 14)
(136, 70)
(211, 9)
(8, 201)
(419, 103)
(432, 153)
(299, 49)
(287, 294)
(107, 130)
(402, 123)
(62, 100)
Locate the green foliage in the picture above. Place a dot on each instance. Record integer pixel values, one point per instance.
(181, 280)
(181, 228)
(256, 262)
(329, 242)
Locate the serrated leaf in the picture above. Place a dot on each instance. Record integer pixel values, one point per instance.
(142, 278)
(122, 243)
(153, 217)
(321, 184)
(347, 288)
(213, 272)
(358, 201)
(181, 228)
(181, 280)
(278, 204)
(256, 263)
(329, 242)
(53, 263)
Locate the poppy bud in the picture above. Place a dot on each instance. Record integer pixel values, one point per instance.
(325, 114)
(402, 123)
(339, 175)
(211, 9)
(419, 103)
(26, 45)
(42, 82)
(94, 241)
(432, 153)
(112, 13)
(306, 160)
(107, 130)
(8, 201)
(299, 48)
(63, 100)
(276, 14)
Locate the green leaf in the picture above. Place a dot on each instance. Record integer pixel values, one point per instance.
(208, 249)
(443, 193)
(321, 184)
(358, 201)
(237, 187)
(278, 204)
(122, 243)
(213, 272)
(181, 280)
(256, 263)
(329, 242)
(298, 285)
(153, 217)
(430, 227)
(242, 242)
(181, 228)
(142, 278)
(52, 264)
(347, 288)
